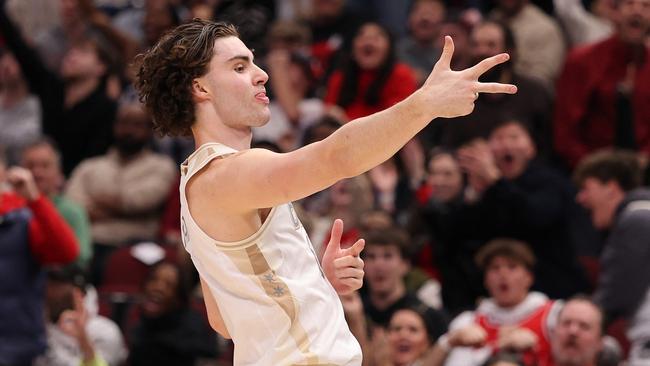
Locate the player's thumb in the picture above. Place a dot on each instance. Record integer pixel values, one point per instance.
(447, 54)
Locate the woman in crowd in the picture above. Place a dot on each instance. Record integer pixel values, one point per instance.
(370, 79)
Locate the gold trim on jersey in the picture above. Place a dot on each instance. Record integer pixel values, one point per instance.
(251, 260)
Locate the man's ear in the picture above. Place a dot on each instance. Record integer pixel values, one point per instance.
(199, 92)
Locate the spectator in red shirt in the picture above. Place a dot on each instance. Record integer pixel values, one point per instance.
(603, 94)
(371, 79)
(32, 235)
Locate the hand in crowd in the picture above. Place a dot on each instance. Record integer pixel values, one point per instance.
(343, 267)
(453, 93)
(381, 355)
(73, 323)
(23, 183)
(384, 177)
(516, 339)
(470, 336)
(477, 161)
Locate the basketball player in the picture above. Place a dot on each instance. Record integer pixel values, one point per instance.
(262, 282)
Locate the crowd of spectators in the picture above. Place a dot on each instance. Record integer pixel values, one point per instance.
(516, 235)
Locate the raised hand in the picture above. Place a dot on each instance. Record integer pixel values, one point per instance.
(478, 162)
(23, 183)
(470, 336)
(516, 339)
(73, 322)
(452, 93)
(343, 267)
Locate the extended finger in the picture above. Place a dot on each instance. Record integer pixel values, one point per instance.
(447, 53)
(496, 88)
(488, 63)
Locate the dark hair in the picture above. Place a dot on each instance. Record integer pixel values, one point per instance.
(515, 250)
(440, 151)
(309, 135)
(48, 142)
(389, 236)
(351, 71)
(107, 52)
(620, 166)
(166, 72)
(183, 290)
(424, 313)
(72, 274)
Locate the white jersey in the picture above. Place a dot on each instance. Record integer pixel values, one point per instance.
(271, 291)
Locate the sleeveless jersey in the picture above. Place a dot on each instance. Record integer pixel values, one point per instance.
(535, 322)
(272, 294)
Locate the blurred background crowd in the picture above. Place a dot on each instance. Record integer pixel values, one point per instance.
(517, 235)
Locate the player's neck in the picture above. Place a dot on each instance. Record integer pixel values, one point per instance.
(383, 300)
(209, 127)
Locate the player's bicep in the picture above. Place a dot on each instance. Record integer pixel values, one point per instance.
(260, 178)
(214, 315)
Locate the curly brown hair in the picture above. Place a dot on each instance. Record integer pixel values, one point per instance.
(166, 72)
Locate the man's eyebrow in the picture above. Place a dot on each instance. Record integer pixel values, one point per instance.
(240, 58)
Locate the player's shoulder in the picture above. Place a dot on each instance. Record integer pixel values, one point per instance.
(221, 169)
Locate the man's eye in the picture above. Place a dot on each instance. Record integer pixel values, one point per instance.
(239, 68)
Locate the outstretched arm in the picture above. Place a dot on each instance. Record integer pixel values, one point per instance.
(258, 178)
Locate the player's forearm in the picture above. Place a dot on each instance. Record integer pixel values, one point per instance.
(366, 142)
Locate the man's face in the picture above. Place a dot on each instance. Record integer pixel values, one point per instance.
(507, 281)
(82, 61)
(513, 149)
(634, 20)
(424, 19)
(486, 40)
(384, 267)
(577, 336)
(236, 85)
(132, 129)
(42, 161)
(445, 177)
(596, 197)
